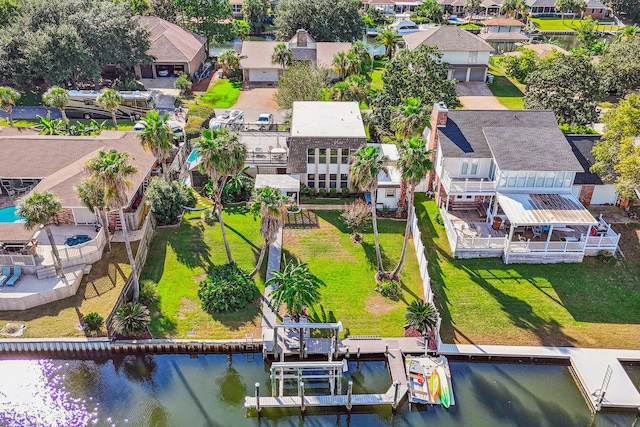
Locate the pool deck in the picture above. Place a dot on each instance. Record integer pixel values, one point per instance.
(589, 365)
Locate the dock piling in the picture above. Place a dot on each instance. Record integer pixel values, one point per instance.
(258, 397)
(349, 392)
(302, 396)
(386, 349)
(396, 385)
(346, 354)
(358, 355)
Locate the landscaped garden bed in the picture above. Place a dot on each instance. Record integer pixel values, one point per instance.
(348, 271)
(484, 301)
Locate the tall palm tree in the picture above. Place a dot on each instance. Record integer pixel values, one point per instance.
(421, 316)
(230, 59)
(221, 155)
(8, 99)
(340, 64)
(38, 209)
(57, 97)
(577, 7)
(367, 164)
(359, 49)
(91, 194)
(111, 170)
(297, 288)
(471, 6)
(156, 136)
(410, 118)
(414, 162)
(271, 205)
(282, 55)
(388, 38)
(110, 100)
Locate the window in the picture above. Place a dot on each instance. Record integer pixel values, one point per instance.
(322, 180)
(559, 179)
(469, 167)
(344, 184)
(333, 157)
(345, 156)
(322, 176)
(549, 181)
(333, 184)
(473, 57)
(88, 102)
(522, 177)
(333, 177)
(531, 179)
(236, 8)
(311, 156)
(540, 179)
(344, 177)
(311, 180)
(390, 193)
(322, 155)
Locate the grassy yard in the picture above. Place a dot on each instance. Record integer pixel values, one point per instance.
(222, 95)
(180, 257)
(348, 271)
(376, 75)
(509, 92)
(326, 201)
(108, 125)
(556, 24)
(98, 292)
(590, 304)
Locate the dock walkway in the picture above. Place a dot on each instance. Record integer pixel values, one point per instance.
(589, 365)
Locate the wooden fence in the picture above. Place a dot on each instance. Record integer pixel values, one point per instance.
(148, 228)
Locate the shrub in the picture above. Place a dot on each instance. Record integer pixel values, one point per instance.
(129, 85)
(519, 67)
(167, 199)
(357, 218)
(131, 320)
(344, 193)
(333, 192)
(322, 192)
(202, 111)
(581, 130)
(389, 289)
(193, 128)
(307, 191)
(93, 321)
(183, 83)
(226, 288)
(148, 293)
(438, 219)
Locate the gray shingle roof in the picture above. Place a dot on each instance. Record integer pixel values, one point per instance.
(582, 146)
(519, 140)
(447, 38)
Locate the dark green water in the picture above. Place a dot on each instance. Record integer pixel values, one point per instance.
(176, 390)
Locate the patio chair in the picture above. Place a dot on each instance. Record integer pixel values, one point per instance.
(6, 272)
(17, 273)
(537, 232)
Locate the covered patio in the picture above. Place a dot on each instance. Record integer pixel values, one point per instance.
(289, 185)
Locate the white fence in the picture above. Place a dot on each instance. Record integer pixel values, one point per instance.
(422, 260)
(22, 260)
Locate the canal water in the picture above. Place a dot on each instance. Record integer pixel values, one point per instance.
(177, 390)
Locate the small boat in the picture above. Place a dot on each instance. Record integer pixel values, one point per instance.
(434, 385)
(418, 384)
(372, 32)
(405, 27)
(445, 392)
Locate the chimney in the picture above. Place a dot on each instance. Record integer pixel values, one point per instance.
(301, 40)
(438, 119)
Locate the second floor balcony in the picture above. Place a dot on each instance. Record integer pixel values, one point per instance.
(467, 185)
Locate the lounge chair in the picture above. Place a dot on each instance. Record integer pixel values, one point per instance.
(6, 272)
(17, 272)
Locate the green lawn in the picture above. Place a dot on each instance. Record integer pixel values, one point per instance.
(98, 292)
(179, 258)
(556, 24)
(222, 95)
(348, 270)
(509, 92)
(325, 201)
(376, 75)
(589, 304)
(108, 125)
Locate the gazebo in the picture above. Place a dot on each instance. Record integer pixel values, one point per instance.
(289, 185)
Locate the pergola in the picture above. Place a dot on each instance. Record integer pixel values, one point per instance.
(302, 327)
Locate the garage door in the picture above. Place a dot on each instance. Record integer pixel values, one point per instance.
(477, 75)
(146, 72)
(84, 216)
(258, 75)
(460, 74)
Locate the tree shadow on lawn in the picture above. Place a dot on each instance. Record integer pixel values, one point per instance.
(235, 320)
(249, 242)
(187, 241)
(161, 325)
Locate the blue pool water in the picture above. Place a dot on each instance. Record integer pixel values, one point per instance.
(9, 215)
(193, 156)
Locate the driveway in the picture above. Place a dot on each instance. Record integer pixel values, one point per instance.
(481, 103)
(473, 89)
(257, 101)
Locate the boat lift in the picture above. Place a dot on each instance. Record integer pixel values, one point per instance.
(304, 371)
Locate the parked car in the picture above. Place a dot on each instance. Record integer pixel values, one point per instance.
(163, 73)
(265, 119)
(228, 118)
(176, 128)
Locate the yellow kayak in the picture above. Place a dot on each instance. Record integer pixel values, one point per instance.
(434, 385)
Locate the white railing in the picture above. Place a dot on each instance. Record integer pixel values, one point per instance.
(467, 185)
(84, 249)
(530, 246)
(8, 260)
(473, 242)
(604, 241)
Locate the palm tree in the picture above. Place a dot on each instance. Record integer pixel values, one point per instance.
(297, 288)
(410, 118)
(110, 100)
(359, 49)
(282, 55)
(271, 205)
(8, 98)
(515, 6)
(577, 7)
(388, 38)
(472, 6)
(414, 162)
(340, 63)
(111, 170)
(421, 316)
(131, 320)
(629, 31)
(367, 164)
(57, 97)
(230, 59)
(91, 194)
(358, 88)
(221, 155)
(156, 136)
(39, 209)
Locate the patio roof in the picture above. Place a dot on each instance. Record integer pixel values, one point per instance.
(545, 209)
(281, 182)
(15, 233)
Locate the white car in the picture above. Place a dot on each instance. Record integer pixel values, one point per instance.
(227, 118)
(265, 119)
(176, 128)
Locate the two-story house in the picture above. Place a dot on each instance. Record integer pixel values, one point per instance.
(503, 181)
(466, 53)
(503, 33)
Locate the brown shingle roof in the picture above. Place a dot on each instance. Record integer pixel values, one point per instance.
(171, 43)
(447, 38)
(257, 55)
(326, 51)
(503, 22)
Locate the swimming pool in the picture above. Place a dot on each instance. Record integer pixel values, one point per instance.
(193, 156)
(8, 214)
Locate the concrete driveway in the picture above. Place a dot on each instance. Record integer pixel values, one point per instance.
(257, 101)
(477, 96)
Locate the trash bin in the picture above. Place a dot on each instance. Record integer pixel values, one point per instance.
(220, 72)
(490, 78)
(497, 221)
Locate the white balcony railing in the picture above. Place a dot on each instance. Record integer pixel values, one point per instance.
(467, 185)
